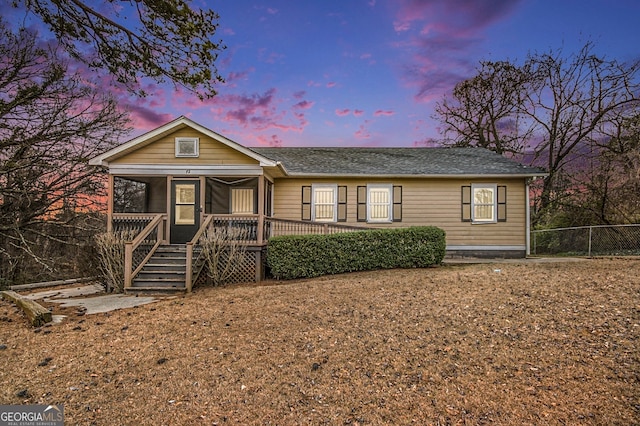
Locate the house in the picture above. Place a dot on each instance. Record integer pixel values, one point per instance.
(172, 182)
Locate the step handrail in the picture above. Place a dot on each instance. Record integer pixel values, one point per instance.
(131, 246)
(189, 278)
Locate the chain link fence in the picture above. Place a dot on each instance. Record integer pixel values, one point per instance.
(601, 240)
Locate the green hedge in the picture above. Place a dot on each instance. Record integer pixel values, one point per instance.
(304, 256)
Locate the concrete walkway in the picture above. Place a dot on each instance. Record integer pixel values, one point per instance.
(91, 298)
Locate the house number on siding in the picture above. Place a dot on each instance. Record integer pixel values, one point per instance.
(188, 171)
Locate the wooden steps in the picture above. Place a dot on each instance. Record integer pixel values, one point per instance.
(165, 272)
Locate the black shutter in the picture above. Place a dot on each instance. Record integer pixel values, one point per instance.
(502, 203)
(342, 204)
(397, 203)
(466, 203)
(362, 204)
(306, 203)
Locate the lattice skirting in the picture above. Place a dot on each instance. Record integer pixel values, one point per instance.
(248, 269)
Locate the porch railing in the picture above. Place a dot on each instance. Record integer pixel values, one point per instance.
(195, 263)
(250, 225)
(134, 222)
(272, 227)
(276, 227)
(138, 251)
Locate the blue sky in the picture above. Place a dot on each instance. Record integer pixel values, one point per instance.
(368, 72)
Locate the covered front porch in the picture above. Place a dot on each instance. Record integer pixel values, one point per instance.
(150, 232)
(165, 218)
(185, 201)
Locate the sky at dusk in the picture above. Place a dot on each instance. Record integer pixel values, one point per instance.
(369, 72)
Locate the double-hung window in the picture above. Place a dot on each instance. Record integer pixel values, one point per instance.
(379, 203)
(324, 203)
(484, 203)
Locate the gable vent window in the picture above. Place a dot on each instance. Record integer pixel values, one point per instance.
(187, 147)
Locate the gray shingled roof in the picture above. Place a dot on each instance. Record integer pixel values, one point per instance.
(395, 161)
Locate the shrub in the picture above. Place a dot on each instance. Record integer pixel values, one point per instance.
(110, 247)
(223, 250)
(304, 256)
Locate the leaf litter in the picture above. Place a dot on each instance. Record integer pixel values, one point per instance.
(543, 343)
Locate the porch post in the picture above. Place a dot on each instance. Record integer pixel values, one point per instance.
(110, 202)
(261, 189)
(167, 223)
(203, 195)
(527, 225)
(128, 263)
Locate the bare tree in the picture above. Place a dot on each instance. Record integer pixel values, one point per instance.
(484, 111)
(612, 179)
(51, 123)
(133, 39)
(574, 101)
(553, 111)
(111, 254)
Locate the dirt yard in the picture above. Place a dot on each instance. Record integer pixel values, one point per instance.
(500, 344)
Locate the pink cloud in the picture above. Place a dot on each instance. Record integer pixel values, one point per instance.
(461, 16)
(300, 94)
(363, 132)
(249, 109)
(304, 105)
(143, 112)
(381, 113)
(331, 84)
(346, 111)
(240, 75)
(144, 118)
(273, 140)
(401, 26)
(302, 119)
(269, 57)
(259, 112)
(440, 37)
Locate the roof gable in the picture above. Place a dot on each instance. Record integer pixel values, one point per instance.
(167, 129)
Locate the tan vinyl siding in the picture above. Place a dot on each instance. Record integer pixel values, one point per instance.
(434, 202)
(162, 151)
